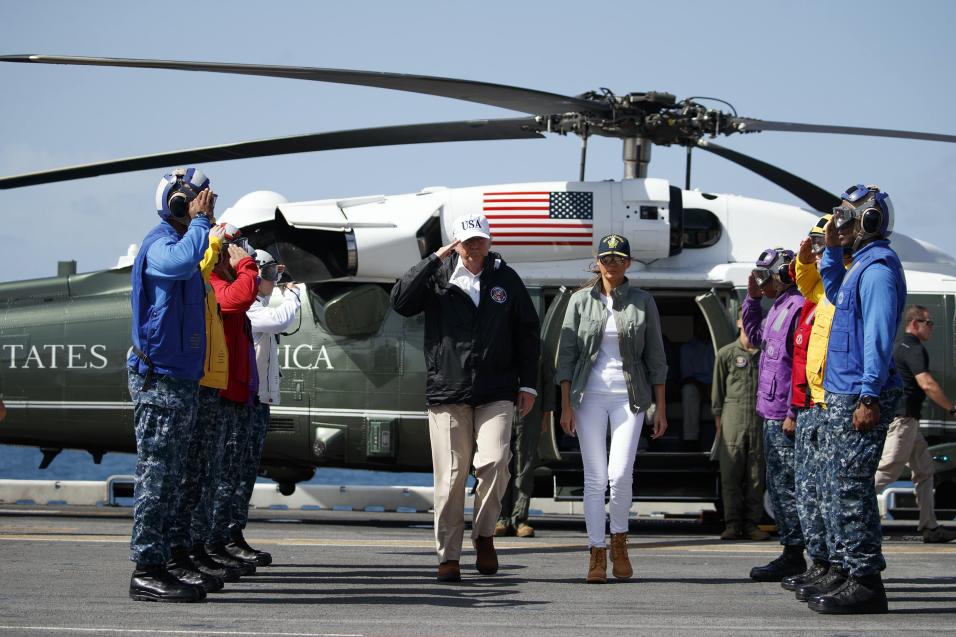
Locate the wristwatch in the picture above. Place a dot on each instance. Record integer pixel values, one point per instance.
(869, 400)
(203, 214)
(952, 410)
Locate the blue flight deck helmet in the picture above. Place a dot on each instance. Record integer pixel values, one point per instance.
(871, 206)
(176, 190)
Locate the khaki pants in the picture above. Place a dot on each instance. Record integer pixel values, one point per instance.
(905, 446)
(462, 435)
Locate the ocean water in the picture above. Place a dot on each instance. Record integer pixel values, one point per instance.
(21, 463)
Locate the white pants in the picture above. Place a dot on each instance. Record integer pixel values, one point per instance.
(601, 468)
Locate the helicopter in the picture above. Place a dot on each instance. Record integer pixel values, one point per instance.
(353, 370)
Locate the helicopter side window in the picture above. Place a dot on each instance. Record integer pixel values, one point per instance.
(702, 228)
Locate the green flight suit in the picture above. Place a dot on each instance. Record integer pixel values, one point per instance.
(740, 447)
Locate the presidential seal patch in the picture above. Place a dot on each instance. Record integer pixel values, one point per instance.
(740, 361)
(498, 294)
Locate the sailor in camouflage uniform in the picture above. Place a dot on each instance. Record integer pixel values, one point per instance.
(774, 336)
(166, 363)
(267, 323)
(236, 283)
(862, 388)
(812, 444)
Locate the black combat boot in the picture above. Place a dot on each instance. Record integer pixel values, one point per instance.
(153, 583)
(834, 579)
(791, 562)
(860, 595)
(219, 553)
(205, 564)
(241, 549)
(183, 569)
(817, 570)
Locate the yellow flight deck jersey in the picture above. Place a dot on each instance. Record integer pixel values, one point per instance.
(216, 367)
(811, 287)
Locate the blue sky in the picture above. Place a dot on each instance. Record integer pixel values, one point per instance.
(875, 64)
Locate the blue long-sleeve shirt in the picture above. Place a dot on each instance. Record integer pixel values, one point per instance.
(880, 310)
(178, 260)
(878, 303)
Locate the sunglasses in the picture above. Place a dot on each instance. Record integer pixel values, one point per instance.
(818, 243)
(612, 259)
(927, 321)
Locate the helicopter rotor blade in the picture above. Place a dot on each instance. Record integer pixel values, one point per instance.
(816, 197)
(753, 125)
(511, 97)
(461, 131)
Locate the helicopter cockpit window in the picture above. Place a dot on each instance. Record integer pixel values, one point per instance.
(701, 228)
(348, 309)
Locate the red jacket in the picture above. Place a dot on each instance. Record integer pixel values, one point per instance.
(800, 398)
(235, 297)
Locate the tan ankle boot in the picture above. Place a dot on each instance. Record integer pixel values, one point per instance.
(620, 563)
(597, 570)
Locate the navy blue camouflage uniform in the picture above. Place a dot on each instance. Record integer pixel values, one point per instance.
(164, 415)
(869, 300)
(811, 447)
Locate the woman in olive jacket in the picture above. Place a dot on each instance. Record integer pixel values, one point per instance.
(610, 355)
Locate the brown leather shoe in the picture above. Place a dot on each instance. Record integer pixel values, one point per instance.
(487, 560)
(524, 530)
(503, 530)
(597, 569)
(620, 563)
(449, 571)
(732, 532)
(756, 534)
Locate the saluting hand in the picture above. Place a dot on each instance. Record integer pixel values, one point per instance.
(203, 202)
(806, 251)
(753, 290)
(443, 252)
(236, 254)
(830, 236)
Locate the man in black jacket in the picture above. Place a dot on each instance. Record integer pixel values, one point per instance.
(481, 357)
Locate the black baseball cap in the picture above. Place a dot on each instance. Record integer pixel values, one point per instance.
(614, 244)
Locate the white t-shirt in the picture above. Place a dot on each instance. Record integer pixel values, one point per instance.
(607, 373)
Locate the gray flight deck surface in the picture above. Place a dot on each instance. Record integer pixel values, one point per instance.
(63, 571)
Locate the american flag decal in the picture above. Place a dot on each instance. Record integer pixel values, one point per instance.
(540, 218)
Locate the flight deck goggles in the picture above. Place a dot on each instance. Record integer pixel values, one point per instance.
(270, 272)
(762, 276)
(773, 262)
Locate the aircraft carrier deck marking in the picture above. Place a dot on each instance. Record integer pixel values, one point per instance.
(24, 534)
(157, 631)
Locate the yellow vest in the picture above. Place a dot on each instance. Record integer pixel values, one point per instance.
(811, 287)
(216, 370)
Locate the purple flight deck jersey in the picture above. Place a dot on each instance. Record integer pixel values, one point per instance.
(774, 336)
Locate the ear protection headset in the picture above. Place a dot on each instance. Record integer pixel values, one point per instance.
(874, 210)
(177, 189)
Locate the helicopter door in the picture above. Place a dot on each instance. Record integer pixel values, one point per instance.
(550, 333)
(722, 327)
